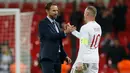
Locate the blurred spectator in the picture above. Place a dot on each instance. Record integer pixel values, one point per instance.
(6, 59)
(124, 66)
(128, 46)
(119, 12)
(23, 68)
(65, 67)
(60, 17)
(100, 7)
(107, 43)
(116, 54)
(91, 3)
(105, 20)
(76, 18)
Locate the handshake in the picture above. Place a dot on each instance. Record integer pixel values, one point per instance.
(68, 28)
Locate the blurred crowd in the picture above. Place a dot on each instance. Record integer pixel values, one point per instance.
(6, 57)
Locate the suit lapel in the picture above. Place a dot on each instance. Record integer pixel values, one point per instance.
(50, 25)
(58, 26)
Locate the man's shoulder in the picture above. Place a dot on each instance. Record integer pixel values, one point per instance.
(43, 21)
(94, 25)
(97, 24)
(86, 27)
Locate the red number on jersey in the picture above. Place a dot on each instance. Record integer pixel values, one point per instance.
(95, 41)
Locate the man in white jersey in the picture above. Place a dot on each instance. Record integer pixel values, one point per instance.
(90, 33)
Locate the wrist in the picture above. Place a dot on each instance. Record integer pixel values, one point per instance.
(67, 57)
(65, 31)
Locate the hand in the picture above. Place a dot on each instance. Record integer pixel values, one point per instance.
(72, 27)
(79, 66)
(68, 60)
(64, 26)
(69, 28)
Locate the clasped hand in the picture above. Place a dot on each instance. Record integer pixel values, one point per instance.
(69, 28)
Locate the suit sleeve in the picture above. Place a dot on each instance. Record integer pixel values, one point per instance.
(63, 54)
(45, 32)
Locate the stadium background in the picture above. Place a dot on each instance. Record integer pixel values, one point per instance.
(115, 43)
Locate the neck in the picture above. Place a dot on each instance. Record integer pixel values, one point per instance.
(91, 19)
(50, 17)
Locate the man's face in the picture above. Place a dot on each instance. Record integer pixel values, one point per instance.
(53, 12)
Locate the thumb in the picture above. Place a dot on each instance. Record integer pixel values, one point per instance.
(68, 24)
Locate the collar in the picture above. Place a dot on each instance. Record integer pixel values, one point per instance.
(90, 21)
(51, 20)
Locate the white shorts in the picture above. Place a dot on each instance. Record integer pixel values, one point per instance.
(89, 68)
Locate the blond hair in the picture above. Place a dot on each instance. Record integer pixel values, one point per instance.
(92, 11)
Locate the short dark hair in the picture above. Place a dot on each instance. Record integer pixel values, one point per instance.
(48, 5)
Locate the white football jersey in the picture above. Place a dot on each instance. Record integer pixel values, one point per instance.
(89, 36)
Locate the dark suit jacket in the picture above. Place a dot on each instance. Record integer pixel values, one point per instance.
(50, 41)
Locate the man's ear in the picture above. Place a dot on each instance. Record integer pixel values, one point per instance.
(86, 14)
(46, 11)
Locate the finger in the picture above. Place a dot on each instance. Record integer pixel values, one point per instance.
(70, 61)
(74, 27)
(65, 26)
(68, 24)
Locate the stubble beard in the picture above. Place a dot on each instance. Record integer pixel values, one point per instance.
(53, 17)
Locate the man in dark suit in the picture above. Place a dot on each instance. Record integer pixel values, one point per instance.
(52, 53)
